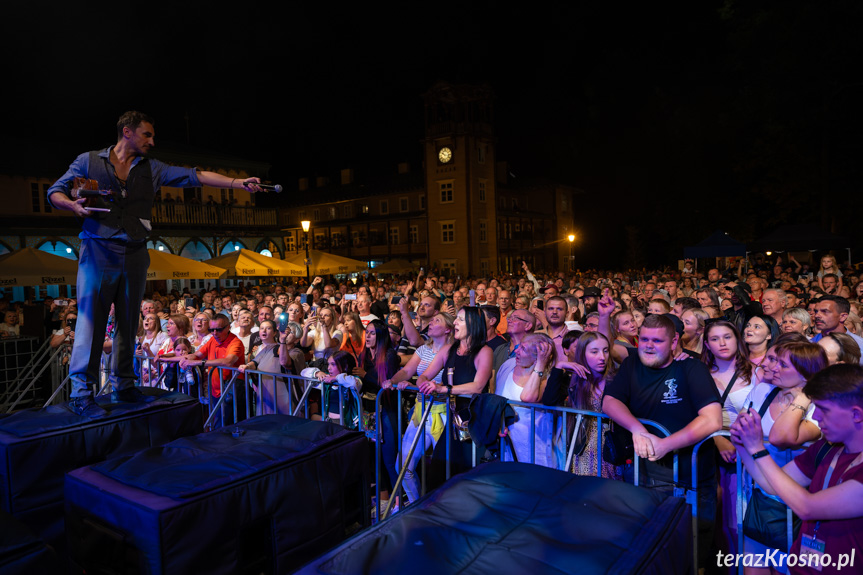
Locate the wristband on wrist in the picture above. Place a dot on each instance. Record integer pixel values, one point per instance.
(760, 454)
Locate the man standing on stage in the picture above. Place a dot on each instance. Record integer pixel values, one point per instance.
(112, 267)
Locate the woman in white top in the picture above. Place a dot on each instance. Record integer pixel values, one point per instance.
(725, 355)
(759, 333)
(787, 422)
(271, 391)
(440, 333)
(523, 379)
(150, 339)
(320, 333)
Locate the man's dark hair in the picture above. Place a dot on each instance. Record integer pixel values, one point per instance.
(491, 312)
(131, 119)
(687, 303)
(570, 337)
(842, 305)
(834, 276)
(841, 383)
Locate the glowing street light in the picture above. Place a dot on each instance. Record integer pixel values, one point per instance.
(306, 225)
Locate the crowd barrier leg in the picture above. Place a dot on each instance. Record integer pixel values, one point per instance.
(404, 467)
(19, 381)
(220, 404)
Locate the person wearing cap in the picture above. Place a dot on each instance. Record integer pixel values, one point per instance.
(550, 290)
(742, 307)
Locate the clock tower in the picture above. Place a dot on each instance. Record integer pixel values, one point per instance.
(459, 162)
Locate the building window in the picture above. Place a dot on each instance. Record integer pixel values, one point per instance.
(515, 203)
(414, 234)
(290, 245)
(403, 204)
(347, 211)
(502, 203)
(482, 190)
(394, 236)
(302, 216)
(422, 201)
(480, 154)
(331, 212)
(385, 207)
(483, 266)
(355, 238)
(316, 215)
(36, 198)
(365, 208)
(447, 232)
(483, 231)
(449, 267)
(446, 192)
(337, 240)
(227, 195)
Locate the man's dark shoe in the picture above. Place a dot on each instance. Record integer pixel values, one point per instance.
(87, 407)
(133, 395)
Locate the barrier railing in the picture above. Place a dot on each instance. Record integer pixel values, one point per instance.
(403, 461)
(43, 358)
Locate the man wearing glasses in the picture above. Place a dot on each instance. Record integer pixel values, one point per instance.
(224, 349)
(521, 322)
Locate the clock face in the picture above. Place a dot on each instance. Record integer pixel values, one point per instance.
(444, 155)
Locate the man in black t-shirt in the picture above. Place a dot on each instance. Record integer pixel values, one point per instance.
(682, 397)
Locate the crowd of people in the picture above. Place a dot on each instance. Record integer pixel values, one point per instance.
(696, 353)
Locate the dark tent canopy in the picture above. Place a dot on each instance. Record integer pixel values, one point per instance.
(718, 245)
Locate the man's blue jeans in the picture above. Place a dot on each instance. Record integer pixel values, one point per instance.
(109, 272)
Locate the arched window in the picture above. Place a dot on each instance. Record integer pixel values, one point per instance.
(59, 248)
(196, 250)
(158, 245)
(232, 246)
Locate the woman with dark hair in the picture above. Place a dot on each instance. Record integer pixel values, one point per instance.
(440, 332)
(340, 365)
(759, 333)
(378, 362)
(591, 369)
(467, 370)
(725, 355)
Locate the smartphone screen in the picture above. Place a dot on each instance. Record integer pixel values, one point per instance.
(283, 322)
(472, 294)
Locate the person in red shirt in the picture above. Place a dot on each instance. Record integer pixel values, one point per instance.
(227, 350)
(826, 495)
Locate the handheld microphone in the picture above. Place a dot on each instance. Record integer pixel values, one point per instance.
(271, 187)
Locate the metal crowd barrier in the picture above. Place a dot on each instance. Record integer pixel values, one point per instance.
(25, 382)
(397, 490)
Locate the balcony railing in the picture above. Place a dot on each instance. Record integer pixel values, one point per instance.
(185, 214)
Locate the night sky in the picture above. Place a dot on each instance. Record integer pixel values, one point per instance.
(675, 119)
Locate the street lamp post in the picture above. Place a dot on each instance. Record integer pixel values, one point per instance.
(306, 225)
(571, 239)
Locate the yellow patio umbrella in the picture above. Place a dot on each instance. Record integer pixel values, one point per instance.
(396, 266)
(165, 266)
(32, 267)
(246, 263)
(323, 263)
